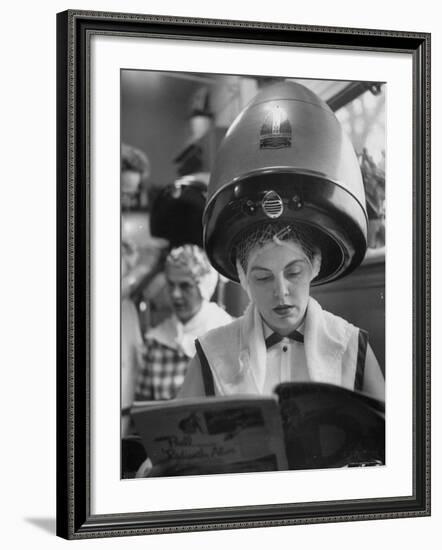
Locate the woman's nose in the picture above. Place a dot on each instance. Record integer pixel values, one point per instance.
(175, 292)
(281, 287)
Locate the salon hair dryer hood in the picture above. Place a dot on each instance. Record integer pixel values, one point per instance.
(286, 158)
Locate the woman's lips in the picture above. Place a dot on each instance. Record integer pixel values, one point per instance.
(284, 310)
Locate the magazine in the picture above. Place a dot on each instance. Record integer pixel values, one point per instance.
(302, 426)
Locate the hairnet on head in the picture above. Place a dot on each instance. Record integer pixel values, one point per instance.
(279, 234)
(192, 260)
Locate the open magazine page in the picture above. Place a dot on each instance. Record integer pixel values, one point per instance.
(327, 426)
(213, 435)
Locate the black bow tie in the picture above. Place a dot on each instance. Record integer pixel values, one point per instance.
(275, 338)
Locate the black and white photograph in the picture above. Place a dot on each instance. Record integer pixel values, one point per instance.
(253, 223)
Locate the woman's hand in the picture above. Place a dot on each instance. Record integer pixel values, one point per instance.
(145, 470)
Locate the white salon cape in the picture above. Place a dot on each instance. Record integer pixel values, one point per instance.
(240, 363)
(176, 335)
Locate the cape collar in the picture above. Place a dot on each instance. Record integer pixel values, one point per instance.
(326, 338)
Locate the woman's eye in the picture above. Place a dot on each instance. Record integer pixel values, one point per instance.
(262, 278)
(293, 273)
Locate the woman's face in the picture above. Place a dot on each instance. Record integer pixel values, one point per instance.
(279, 278)
(184, 293)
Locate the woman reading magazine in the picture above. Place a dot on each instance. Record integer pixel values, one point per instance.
(285, 210)
(284, 335)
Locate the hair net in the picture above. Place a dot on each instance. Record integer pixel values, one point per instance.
(192, 260)
(279, 234)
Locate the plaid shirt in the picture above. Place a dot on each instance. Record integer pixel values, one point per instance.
(162, 372)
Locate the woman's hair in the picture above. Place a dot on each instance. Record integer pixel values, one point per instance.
(277, 232)
(193, 260)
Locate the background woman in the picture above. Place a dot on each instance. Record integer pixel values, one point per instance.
(191, 282)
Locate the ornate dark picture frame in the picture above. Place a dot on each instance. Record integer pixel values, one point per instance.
(74, 32)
